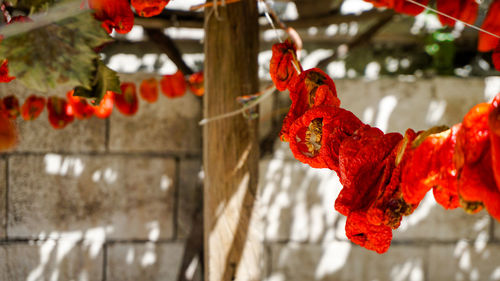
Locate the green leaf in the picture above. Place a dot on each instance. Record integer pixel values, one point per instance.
(105, 80)
(60, 52)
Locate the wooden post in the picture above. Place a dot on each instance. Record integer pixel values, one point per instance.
(230, 147)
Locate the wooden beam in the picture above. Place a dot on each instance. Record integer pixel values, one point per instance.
(168, 46)
(230, 146)
(173, 18)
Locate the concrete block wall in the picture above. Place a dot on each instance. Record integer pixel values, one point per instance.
(304, 236)
(114, 199)
(101, 199)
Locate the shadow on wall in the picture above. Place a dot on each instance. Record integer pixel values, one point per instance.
(305, 237)
(63, 209)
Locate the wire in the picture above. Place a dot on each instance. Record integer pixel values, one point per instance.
(453, 18)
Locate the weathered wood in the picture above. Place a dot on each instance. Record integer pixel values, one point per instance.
(230, 147)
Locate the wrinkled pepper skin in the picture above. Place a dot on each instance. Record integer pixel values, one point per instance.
(114, 14)
(464, 10)
(127, 103)
(494, 126)
(372, 237)
(491, 23)
(311, 88)
(281, 66)
(316, 136)
(81, 109)
(361, 157)
(445, 189)
(421, 166)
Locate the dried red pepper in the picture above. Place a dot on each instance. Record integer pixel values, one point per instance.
(127, 103)
(311, 88)
(149, 90)
(105, 107)
(473, 158)
(60, 114)
(81, 108)
(149, 8)
(389, 206)
(8, 133)
(4, 72)
(464, 10)
(196, 83)
(401, 6)
(114, 14)
(316, 136)
(491, 23)
(32, 107)
(361, 165)
(494, 126)
(372, 237)
(173, 86)
(282, 68)
(10, 107)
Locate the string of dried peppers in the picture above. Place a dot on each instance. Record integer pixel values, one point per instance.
(386, 176)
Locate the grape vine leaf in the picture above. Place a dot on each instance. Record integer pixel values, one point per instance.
(57, 53)
(105, 79)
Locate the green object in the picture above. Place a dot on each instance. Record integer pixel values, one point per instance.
(58, 53)
(104, 80)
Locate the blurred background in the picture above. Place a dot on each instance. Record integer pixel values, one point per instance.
(123, 199)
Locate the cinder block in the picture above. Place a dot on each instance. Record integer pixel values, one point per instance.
(430, 221)
(297, 202)
(341, 260)
(149, 261)
(190, 196)
(50, 260)
(79, 136)
(123, 197)
(3, 198)
(496, 229)
(169, 125)
(472, 260)
(39, 136)
(459, 95)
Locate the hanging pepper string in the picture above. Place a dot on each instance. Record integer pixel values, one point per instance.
(453, 18)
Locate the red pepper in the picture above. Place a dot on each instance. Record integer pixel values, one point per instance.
(81, 109)
(114, 14)
(149, 90)
(372, 237)
(127, 103)
(60, 114)
(10, 107)
(196, 85)
(4, 72)
(494, 126)
(420, 167)
(446, 185)
(316, 136)
(389, 206)
(149, 8)
(32, 107)
(281, 67)
(491, 23)
(464, 10)
(401, 6)
(103, 110)
(361, 157)
(473, 160)
(311, 88)
(8, 133)
(173, 86)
